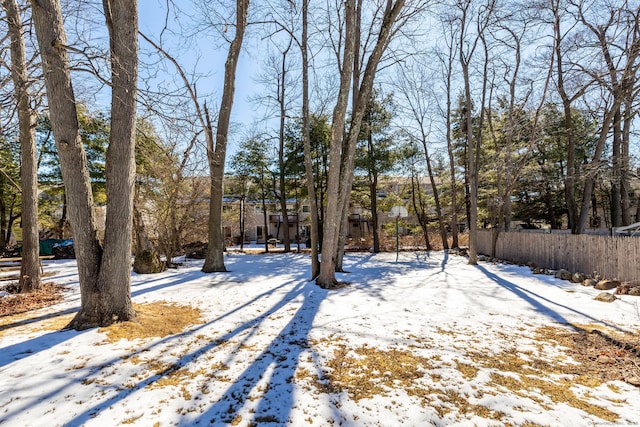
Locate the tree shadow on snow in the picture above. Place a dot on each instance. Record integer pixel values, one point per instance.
(273, 370)
(279, 360)
(29, 347)
(540, 303)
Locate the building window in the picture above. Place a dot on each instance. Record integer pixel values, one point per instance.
(306, 209)
(259, 209)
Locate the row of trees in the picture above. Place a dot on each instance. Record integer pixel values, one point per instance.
(493, 102)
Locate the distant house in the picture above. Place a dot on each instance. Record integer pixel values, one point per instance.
(298, 218)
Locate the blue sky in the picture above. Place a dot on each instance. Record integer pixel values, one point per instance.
(207, 60)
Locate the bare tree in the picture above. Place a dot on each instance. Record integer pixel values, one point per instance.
(470, 39)
(342, 150)
(104, 270)
(620, 82)
(173, 213)
(306, 138)
(282, 184)
(214, 260)
(333, 217)
(447, 60)
(415, 87)
(30, 265)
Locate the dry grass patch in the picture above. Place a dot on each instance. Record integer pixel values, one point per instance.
(468, 371)
(156, 319)
(367, 371)
(534, 378)
(558, 371)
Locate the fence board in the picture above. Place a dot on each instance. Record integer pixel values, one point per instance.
(607, 256)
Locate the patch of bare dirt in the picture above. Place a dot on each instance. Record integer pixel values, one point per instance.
(602, 353)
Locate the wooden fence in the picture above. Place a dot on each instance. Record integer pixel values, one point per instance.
(606, 256)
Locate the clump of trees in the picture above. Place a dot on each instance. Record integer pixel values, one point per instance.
(520, 112)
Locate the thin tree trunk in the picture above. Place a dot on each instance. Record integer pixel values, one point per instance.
(282, 185)
(625, 187)
(471, 168)
(373, 193)
(616, 171)
(214, 261)
(436, 200)
(63, 218)
(306, 125)
(452, 164)
(265, 221)
(3, 221)
(570, 179)
(30, 265)
(590, 178)
(419, 208)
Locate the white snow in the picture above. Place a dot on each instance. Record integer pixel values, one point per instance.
(265, 325)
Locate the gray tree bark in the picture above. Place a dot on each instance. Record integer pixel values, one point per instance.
(342, 153)
(333, 217)
(104, 271)
(47, 16)
(214, 261)
(30, 264)
(306, 132)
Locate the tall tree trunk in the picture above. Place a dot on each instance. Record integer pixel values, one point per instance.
(47, 17)
(436, 197)
(214, 260)
(473, 141)
(104, 272)
(306, 125)
(342, 155)
(282, 184)
(333, 219)
(452, 164)
(115, 272)
(570, 178)
(471, 167)
(29, 267)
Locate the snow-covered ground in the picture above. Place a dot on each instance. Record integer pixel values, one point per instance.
(426, 340)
